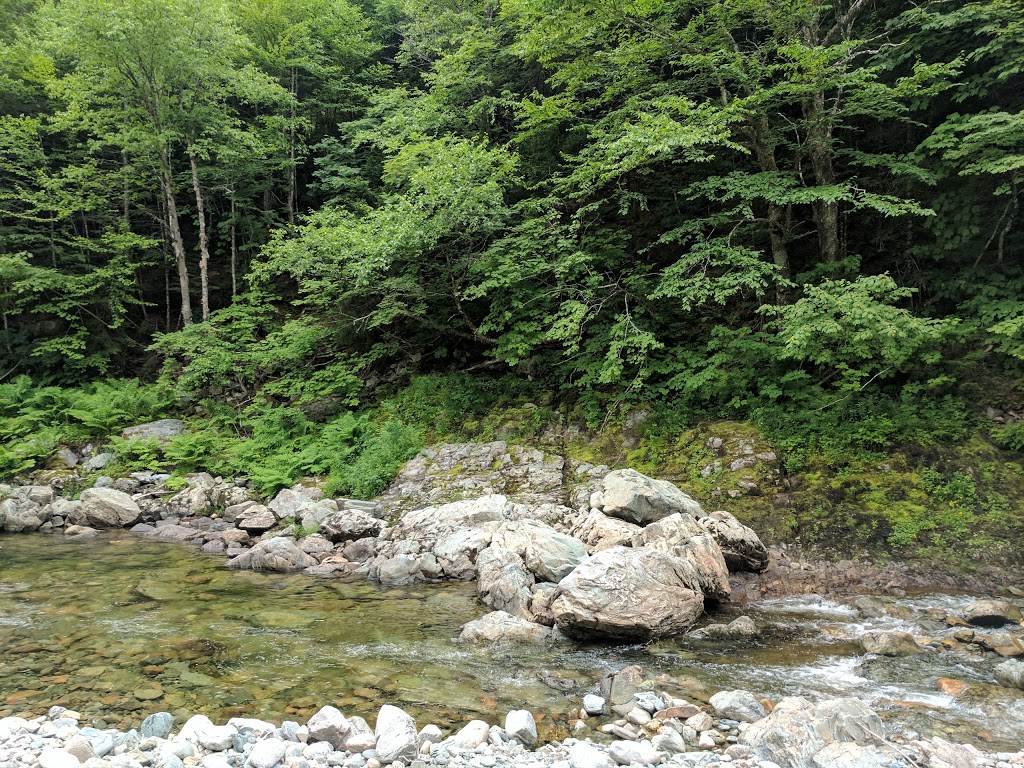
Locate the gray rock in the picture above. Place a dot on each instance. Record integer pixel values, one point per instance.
(499, 626)
(395, 732)
(1010, 674)
(471, 735)
(741, 547)
(669, 741)
(289, 503)
(350, 525)
(648, 702)
(583, 755)
(163, 429)
(520, 725)
(158, 725)
(992, 613)
(627, 752)
(360, 735)
(399, 570)
(845, 754)
(740, 628)
(600, 532)
(80, 748)
(266, 754)
(548, 554)
(57, 758)
(637, 498)
(939, 753)
(217, 738)
(593, 704)
(107, 508)
(99, 461)
(248, 726)
(69, 457)
(16, 519)
(329, 725)
(890, 643)
(276, 554)
(623, 593)
(796, 730)
(737, 705)
(503, 582)
(256, 519)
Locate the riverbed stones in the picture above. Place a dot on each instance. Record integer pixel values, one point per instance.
(629, 752)
(628, 594)
(16, 519)
(57, 758)
(797, 729)
(1010, 674)
(395, 732)
(329, 725)
(593, 704)
(276, 554)
(584, 755)
(741, 547)
(636, 498)
(107, 508)
(992, 613)
(890, 643)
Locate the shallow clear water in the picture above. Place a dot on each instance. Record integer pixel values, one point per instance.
(123, 626)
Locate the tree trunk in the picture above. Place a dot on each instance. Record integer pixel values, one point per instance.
(204, 244)
(234, 248)
(177, 243)
(778, 225)
(292, 171)
(819, 148)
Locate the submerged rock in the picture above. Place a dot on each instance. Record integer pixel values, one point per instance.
(501, 626)
(890, 644)
(632, 594)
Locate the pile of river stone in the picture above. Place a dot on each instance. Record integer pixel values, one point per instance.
(636, 560)
(841, 733)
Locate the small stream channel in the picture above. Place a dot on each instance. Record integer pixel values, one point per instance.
(123, 626)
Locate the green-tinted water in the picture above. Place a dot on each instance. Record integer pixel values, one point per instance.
(123, 626)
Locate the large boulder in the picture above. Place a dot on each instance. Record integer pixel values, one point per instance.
(741, 547)
(640, 499)
(457, 554)
(797, 730)
(499, 626)
(18, 519)
(548, 554)
(992, 613)
(632, 594)
(681, 535)
(503, 583)
(349, 525)
(162, 430)
(737, 705)
(276, 554)
(107, 508)
(600, 532)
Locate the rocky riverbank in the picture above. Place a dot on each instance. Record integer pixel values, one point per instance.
(658, 730)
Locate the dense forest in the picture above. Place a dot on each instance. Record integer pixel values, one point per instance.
(802, 215)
